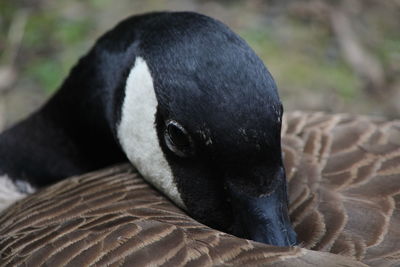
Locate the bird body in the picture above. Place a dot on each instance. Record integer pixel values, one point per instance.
(188, 102)
(340, 203)
(196, 112)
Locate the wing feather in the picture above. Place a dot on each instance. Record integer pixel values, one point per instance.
(356, 187)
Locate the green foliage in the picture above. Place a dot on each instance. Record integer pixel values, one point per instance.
(47, 73)
(53, 44)
(302, 61)
(72, 32)
(299, 48)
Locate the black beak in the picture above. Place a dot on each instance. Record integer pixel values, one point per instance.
(263, 218)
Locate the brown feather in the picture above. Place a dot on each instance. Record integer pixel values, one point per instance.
(350, 165)
(344, 189)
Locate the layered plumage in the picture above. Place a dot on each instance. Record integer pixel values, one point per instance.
(344, 191)
(344, 184)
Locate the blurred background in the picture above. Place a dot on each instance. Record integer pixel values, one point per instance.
(336, 56)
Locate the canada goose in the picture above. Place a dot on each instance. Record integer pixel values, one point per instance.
(188, 102)
(344, 191)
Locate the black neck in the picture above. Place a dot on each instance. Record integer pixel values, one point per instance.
(75, 131)
(70, 135)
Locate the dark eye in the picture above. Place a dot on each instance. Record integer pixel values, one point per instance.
(178, 139)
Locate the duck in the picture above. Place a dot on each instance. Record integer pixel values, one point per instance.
(187, 102)
(344, 195)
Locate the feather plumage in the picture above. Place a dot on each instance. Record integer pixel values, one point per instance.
(344, 184)
(344, 190)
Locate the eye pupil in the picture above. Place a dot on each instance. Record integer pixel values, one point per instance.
(178, 139)
(177, 136)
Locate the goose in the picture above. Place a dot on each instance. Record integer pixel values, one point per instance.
(187, 102)
(344, 192)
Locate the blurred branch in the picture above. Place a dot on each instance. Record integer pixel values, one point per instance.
(337, 15)
(367, 67)
(12, 45)
(8, 72)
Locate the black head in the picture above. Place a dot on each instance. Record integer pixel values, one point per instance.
(201, 120)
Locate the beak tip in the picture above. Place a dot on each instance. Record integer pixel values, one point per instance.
(263, 218)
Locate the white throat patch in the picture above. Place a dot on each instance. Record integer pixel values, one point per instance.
(137, 133)
(10, 192)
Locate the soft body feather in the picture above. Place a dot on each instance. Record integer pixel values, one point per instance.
(344, 184)
(344, 190)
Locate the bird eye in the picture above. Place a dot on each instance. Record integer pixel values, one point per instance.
(178, 139)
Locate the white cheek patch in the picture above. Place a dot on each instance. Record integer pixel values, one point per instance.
(137, 133)
(10, 192)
